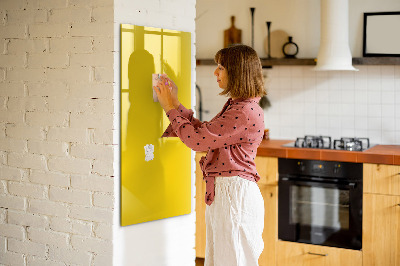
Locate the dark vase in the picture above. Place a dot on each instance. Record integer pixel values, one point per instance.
(290, 49)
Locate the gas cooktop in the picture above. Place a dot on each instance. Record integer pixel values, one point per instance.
(325, 142)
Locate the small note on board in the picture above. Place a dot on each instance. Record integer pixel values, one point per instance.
(149, 152)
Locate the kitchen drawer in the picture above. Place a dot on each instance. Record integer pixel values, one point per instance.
(381, 179)
(267, 168)
(298, 254)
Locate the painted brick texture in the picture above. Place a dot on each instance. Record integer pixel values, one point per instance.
(56, 132)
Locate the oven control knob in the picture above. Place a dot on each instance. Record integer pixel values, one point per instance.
(336, 169)
(302, 167)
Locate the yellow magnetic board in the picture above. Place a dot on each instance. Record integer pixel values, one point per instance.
(158, 186)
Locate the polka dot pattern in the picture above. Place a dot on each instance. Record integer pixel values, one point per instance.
(231, 139)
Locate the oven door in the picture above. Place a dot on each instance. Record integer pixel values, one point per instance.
(320, 212)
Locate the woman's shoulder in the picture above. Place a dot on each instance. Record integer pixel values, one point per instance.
(248, 104)
(247, 108)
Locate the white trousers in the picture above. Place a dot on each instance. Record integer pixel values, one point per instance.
(234, 223)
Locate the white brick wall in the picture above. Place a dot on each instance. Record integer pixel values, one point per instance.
(70, 256)
(56, 132)
(28, 219)
(72, 226)
(15, 89)
(18, 46)
(27, 247)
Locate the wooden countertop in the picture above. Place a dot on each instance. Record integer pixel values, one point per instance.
(379, 154)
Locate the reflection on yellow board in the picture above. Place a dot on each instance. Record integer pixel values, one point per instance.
(156, 185)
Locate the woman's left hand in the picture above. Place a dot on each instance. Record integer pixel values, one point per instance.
(163, 92)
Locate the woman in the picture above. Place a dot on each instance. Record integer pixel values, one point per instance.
(235, 207)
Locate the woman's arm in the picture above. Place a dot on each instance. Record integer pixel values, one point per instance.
(223, 131)
(167, 93)
(186, 113)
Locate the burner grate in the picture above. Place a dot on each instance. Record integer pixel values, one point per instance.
(324, 142)
(320, 142)
(351, 144)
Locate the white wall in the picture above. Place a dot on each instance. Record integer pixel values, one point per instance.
(56, 120)
(59, 105)
(169, 241)
(338, 104)
(298, 18)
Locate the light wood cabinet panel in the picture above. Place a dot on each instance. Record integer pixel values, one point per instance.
(200, 210)
(381, 179)
(270, 233)
(381, 230)
(267, 168)
(298, 254)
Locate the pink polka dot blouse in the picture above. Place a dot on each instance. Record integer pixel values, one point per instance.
(231, 139)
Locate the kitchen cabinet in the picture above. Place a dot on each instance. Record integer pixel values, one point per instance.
(270, 233)
(381, 179)
(200, 209)
(381, 215)
(298, 254)
(267, 167)
(381, 221)
(381, 230)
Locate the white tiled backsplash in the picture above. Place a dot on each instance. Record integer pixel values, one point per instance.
(332, 103)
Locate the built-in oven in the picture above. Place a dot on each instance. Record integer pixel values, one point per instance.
(320, 202)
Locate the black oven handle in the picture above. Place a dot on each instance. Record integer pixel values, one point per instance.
(314, 183)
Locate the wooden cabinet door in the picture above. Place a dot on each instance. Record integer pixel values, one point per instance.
(381, 230)
(200, 210)
(267, 168)
(298, 254)
(381, 179)
(270, 233)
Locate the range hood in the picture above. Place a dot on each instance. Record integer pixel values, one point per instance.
(334, 51)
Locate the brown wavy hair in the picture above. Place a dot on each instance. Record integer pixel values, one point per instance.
(245, 78)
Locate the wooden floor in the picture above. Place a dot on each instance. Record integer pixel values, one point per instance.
(199, 262)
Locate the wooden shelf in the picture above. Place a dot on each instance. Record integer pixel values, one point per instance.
(376, 61)
(312, 61)
(267, 63)
(288, 62)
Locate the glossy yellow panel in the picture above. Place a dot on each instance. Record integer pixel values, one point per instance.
(157, 188)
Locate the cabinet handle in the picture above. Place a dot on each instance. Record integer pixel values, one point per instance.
(398, 204)
(318, 254)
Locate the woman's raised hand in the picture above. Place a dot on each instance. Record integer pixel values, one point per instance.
(164, 93)
(174, 91)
